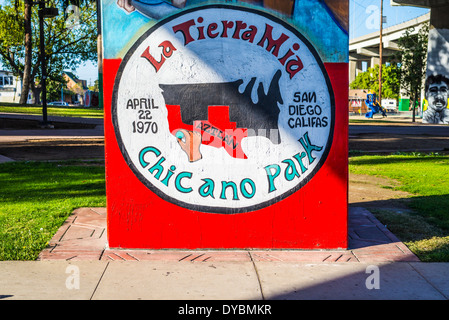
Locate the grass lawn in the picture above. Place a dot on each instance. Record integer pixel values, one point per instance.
(425, 230)
(83, 112)
(37, 197)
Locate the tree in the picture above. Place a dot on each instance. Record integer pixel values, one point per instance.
(12, 35)
(54, 90)
(370, 80)
(69, 41)
(413, 54)
(95, 87)
(391, 84)
(28, 51)
(366, 80)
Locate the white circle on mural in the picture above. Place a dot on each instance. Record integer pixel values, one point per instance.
(223, 109)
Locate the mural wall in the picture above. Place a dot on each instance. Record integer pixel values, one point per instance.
(435, 107)
(225, 123)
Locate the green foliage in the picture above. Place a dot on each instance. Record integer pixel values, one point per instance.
(11, 27)
(70, 39)
(95, 87)
(54, 89)
(391, 84)
(11, 37)
(366, 80)
(413, 54)
(370, 80)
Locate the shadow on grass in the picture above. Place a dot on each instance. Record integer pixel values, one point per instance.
(420, 222)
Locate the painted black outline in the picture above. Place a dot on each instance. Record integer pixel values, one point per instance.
(210, 209)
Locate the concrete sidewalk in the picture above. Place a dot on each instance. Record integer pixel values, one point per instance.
(221, 280)
(17, 135)
(79, 265)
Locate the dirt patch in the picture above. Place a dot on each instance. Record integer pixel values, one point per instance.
(375, 192)
(54, 149)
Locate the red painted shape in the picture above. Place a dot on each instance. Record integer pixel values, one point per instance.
(218, 131)
(156, 64)
(315, 217)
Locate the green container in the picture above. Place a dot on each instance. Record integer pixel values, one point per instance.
(404, 105)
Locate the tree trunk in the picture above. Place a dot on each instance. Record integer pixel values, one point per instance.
(414, 106)
(28, 54)
(36, 93)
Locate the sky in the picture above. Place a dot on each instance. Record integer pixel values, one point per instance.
(364, 18)
(88, 71)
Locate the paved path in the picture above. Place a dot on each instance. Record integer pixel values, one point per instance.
(9, 135)
(79, 265)
(83, 236)
(409, 129)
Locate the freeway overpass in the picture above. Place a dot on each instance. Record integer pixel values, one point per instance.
(366, 48)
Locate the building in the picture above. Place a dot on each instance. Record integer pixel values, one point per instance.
(357, 103)
(10, 87)
(77, 86)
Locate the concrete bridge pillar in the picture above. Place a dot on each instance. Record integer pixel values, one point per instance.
(355, 67)
(437, 75)
(438, 46)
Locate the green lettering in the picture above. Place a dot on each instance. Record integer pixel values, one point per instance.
(272, 176)
(299, 159)
(226, 184)
(178, 182)
(158, 168)
(207, 189)
(308, 147)
(245, 193)
(142, 153)
(290, 172)
(168, 176)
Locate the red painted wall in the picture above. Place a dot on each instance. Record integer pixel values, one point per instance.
(315, 217)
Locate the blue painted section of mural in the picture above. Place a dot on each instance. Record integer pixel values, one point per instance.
(121, 29)
(309, 18)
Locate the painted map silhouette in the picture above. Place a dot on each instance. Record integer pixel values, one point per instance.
(222, 114)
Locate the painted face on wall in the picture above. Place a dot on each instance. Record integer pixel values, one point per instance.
(437, 96)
